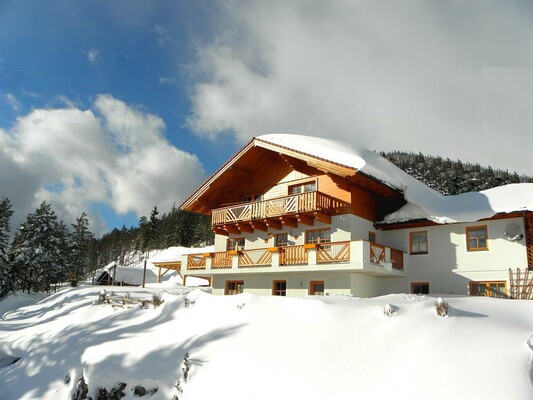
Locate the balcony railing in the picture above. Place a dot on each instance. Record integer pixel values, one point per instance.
(252, 258)
(333, 252)
(292, 255)
(293, 204)
(361, 253)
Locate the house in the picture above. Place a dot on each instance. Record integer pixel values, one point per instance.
(114, 274)
(296, 215)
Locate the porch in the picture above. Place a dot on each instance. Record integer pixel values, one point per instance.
(360, 256)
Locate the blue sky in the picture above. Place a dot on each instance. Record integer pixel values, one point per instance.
(112, 107)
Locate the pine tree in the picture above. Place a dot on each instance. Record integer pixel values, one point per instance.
(7, 274)
(40, 250)
(79, 251)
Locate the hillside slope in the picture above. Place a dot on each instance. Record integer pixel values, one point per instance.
(255, 347)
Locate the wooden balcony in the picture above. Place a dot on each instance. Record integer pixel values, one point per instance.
(359, 255)
(301, 206)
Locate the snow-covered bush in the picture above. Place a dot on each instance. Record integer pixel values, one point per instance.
(441, 307)
(389, 310)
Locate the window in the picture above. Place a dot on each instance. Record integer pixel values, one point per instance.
(372, 237)
(281, 240)
(252, 197)
(476, 238)
(318, 236)
(418, 242)
(489, 289)
(279, 288)
(235, 244)
(419, 287)
(302, 187)
(316, 288)
(234, 287)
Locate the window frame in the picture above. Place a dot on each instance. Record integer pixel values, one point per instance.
(468, 229)
(487, 288)
(280, 291)
(420, 283)
(318, 238)
(302, 186)
(251, 198)
(237, 247)
(312, 284)
(411, 242)
(278, 235)
(237, 290)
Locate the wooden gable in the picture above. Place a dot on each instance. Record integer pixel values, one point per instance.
(266, 169)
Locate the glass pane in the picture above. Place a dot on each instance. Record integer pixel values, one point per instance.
(473, 243)
(482, 242)
(423, 248)
(325, 236)
(479, 289)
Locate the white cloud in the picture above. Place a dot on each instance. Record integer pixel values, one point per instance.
(448, 78)
(115, 155)
(92, 55)
(11, 100)
(163, 36)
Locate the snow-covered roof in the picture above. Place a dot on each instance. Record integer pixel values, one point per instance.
(422, 201)
(175, 253)
(129, 275)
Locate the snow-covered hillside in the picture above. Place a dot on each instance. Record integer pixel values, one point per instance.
(254, 347)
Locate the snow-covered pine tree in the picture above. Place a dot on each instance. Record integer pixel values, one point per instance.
(40, 250)
(7, 278)
(79, 248)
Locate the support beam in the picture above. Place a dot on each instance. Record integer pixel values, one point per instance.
(260, 226)
(245, 228)
(220, 231)
(304, 219)
(232, 229)
(292, 222)
(322, 217)
(272, 223)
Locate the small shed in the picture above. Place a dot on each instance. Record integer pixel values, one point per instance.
(119, 275)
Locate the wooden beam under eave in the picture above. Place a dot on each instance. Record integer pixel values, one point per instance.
(220, 231)
(304, 219)
(232, 229)
(322, 217)
(272, 223)
(245, 228)
(260, 226)
(292, 222)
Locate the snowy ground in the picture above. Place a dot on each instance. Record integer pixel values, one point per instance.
(255, 347)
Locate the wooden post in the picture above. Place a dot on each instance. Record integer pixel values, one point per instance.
(144, 273)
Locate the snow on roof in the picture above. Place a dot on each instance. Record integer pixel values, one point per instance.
(130, 275)
(422, 201)
(175, 253)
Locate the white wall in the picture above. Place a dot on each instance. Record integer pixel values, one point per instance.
(335, 283)
(448, 266)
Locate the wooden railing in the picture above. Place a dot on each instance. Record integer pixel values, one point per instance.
(196, 261)
(222, 259)
(333, 252)
(248, 258)
(290, 255)
(396, 258)
(377, 253)
(296, 203)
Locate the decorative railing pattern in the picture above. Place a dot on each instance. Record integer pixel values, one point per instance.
(296, 203)
(396, 258)
(222, 259)
(333, 252)
(290, 255)
(326, 253)
(196, 261)
(249, 258)
(377, 253)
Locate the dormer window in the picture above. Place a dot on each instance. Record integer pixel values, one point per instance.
(303, 187)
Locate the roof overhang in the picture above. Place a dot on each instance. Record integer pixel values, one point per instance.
(238, 166)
